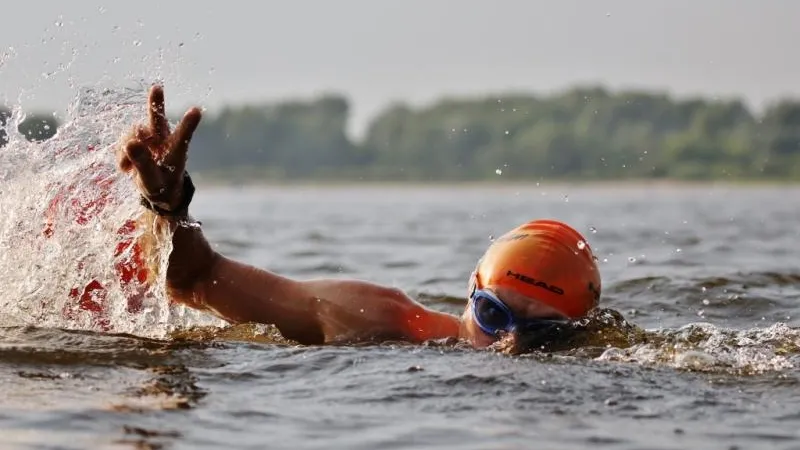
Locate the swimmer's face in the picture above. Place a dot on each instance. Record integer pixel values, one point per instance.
(521, 306)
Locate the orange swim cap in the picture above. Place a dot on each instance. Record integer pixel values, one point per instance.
(545, 260)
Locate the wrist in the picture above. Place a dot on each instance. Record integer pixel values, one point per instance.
(174, 208)
(192, 258)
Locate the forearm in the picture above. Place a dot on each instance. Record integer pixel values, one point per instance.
(239, 292)
(201, 278)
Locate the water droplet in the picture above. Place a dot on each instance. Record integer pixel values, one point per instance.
(608, 14)
(706, 302)
(362, 310)
(507, 132)
(581, 245)
(701, 313)
(605, 260)
(703, 289)
(491, 238)
(593, 230)
(631, 259)
(677, 250)
(566, 198)
(137, 43)
(180, 44)
(46, 127)
(59, 23)
(214, 282)
(499, 171)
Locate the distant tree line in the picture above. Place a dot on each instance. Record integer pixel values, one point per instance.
(589, 133)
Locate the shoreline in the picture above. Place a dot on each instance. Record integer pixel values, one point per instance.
(218, 182)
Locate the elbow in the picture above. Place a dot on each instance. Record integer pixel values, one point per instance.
(307, 329)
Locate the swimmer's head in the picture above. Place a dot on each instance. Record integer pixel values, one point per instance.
(543, 269)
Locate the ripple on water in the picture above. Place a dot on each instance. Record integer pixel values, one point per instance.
(322, 268)
(738, 299)
(400, 264)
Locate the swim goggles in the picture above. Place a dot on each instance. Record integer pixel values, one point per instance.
(493, 316)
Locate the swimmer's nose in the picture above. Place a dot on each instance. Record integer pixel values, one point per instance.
(508, 335)
(508, 342)
(514, 332)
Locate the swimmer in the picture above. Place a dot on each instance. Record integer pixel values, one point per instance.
(537, 276)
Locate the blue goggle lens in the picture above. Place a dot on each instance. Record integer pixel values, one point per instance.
(491, 315)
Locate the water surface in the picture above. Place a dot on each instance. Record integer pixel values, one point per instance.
(711, 274)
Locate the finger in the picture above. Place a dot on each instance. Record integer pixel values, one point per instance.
(123, 162)
(183, 135)
(145, 135)
(140, 158)
(159, 125)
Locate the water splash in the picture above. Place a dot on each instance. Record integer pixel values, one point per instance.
(64, 208)
(605, 335)
(707, 348)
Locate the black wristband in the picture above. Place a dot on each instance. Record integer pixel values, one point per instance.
(182, 208)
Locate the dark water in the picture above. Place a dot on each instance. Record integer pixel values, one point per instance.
(709, 275)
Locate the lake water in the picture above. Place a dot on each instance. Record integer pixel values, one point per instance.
(709, 276)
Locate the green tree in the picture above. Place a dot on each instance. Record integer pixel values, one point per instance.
(588, 132)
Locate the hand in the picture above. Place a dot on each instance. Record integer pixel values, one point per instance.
(156, 156)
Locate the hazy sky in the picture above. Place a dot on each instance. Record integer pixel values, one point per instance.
(376, 51)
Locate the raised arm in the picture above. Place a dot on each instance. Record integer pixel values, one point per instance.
(310, 312)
